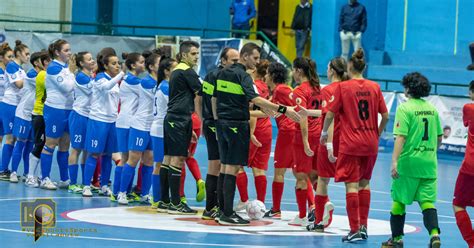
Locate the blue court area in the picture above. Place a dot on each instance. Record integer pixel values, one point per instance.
(104, 224)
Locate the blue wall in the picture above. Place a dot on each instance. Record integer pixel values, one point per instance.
(84, 11)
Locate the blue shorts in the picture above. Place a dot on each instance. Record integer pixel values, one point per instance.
(77, 129)
(101, 137)
(158, 149)
(55, 121)
(139, 140)
(122, 139)
(22, 129)
(7, 117)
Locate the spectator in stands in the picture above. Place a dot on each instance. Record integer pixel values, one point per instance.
(471, 49)
(241, 12)
(302, 25)
(352, 23)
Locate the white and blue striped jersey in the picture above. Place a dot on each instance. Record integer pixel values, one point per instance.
(59, 86)
(82, 94)
(105, 98)
(27, 101)
(160, 107)
(144, 116)
(14, 73)
(2, 83)
(129, 93)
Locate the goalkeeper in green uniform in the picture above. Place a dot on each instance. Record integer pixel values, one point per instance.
(414, 162)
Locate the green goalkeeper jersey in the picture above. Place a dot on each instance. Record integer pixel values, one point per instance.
(418, 121)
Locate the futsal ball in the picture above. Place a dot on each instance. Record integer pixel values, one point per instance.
(256, 210)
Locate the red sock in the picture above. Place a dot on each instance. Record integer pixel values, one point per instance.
(364, 206)
(352, 207)
(194, 168)
(261, 187)
(95, 179)
(310, 194)
(181, 182)
(319, 201)
(465, 226)
(242, 184)
(139, 179)
(277, 193)
(301, 198)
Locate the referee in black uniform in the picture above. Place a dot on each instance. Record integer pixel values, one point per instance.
(235, 89)
(228, 57)
(184, 86)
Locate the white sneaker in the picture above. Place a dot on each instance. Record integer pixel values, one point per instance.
(32, 182)
(241, 206)
(105, 191)
(63, 184)
(48, 184)
(122, 198)
(86, 191)
(146, 199)
(327, 215)
(297, 221)
(13, 177)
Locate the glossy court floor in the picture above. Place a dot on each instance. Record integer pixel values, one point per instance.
(104, 224)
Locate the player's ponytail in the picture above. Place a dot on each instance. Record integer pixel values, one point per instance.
(308, 67)
(19, 47)
(358, 61)
(165, 64)
(130, 59)
(339, 66)
(56, 47)
(4, 48)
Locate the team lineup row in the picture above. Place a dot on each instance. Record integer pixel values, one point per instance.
(333, 131)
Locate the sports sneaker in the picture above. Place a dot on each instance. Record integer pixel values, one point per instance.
(181, 208)
(233, 220)
(311, 215)
(154, 205)
(162, 207)
(352, 237)
(32, 182)
(113, 198)
(5, 175)
(201, 190)
(435, 242)
(105, 191)
(218, 215)
(75, 189)
(146, 199)
(297, 221)
(211, 214)
(392, 244)
(183, 200)
(315, 227)
(94, 188)
(48, 184)
(272, 214)
(241, 206)
(133, 197)
(86, 191)
(327, 215)
(63, 184)
(122, 198)
(13, 177)
(363, 232)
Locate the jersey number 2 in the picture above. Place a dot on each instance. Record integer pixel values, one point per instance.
(363, 109)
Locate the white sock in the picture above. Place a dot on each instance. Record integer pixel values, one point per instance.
(33, 165)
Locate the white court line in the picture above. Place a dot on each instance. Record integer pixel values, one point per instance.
(43, 197)
(142, 241)
(17, 221)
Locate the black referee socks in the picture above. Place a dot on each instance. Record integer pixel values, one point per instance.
(174, 177)
(164, 183)
(220, 191)
(211, 195)
(229, 193)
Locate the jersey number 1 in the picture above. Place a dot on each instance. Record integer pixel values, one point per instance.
(425, 135)
(363, 109)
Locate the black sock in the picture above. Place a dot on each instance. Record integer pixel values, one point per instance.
(229, 193)
(211, 195)
(397, 222)
(220, 191)
(164, 183)
(174, 177)
(430, 219)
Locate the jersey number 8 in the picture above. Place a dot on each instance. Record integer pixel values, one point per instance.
(363, 109)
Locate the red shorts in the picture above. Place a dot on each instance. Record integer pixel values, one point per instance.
(303, 163)
(351, 169)
(283, 157)
(259, 156)
(463, 192)
(325, 167)
(192, 146)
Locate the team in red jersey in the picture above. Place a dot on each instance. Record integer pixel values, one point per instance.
(357, 102)
(464, 193)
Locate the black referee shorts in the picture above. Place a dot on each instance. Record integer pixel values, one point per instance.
(233, 138)
(209, 129)
(39, 138)
(178, 131)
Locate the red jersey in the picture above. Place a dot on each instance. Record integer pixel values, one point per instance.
(310, 98)
(282, 96)
(358, 103)
(327, 96)
(468, 119)
(263, 91)
(196, 121)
